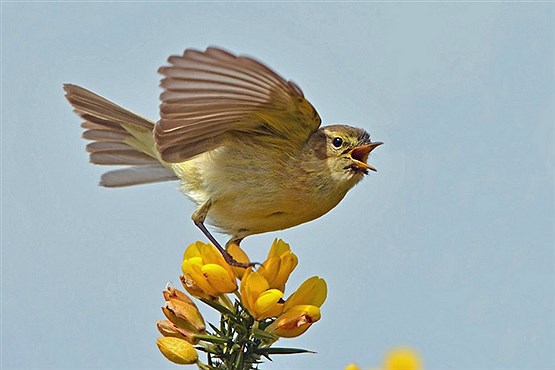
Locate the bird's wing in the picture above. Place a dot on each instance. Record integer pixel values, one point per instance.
(208, 95)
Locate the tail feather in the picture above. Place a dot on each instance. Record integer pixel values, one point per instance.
(136, 175)
(96, 146)
(129, 157)
(87, 102)
(119, 137)
(91, 123)
(104, 135)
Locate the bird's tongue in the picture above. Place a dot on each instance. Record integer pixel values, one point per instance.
(360, 155)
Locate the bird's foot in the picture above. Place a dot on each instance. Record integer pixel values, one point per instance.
(233, 263)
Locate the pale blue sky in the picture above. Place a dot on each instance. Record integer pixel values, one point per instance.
(447, 248)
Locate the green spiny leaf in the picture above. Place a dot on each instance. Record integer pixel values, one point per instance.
(263, 334)
(212, 339)
(281, 351)
(216, 330)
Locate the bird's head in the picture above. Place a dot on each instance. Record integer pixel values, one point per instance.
(344, 149)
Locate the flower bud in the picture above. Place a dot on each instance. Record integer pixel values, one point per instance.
(177, 350)
(184, 308)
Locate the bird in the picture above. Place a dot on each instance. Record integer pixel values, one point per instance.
(246, 145)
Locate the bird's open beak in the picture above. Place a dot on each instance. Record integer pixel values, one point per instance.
(359, 155)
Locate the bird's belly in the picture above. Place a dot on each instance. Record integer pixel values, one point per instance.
(248, 215)
(252, 195)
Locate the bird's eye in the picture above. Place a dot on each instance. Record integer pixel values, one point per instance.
(337, 142)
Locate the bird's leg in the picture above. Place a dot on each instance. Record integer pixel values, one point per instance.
(198, 218)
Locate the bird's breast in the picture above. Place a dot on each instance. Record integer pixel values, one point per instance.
(256, 191)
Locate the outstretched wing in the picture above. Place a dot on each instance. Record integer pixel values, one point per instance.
(212, 94)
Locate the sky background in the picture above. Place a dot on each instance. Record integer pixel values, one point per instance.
(448, 248)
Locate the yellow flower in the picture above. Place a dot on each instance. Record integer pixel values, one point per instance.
(206, 274)
(177, 350)
(352, 366)
(402, 359)
(257, 296)
(312, 292)
(278, 265)
(240, 256)
(295, 321)
(184, 319)
(301, 309)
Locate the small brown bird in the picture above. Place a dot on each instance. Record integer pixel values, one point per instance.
(245, 143)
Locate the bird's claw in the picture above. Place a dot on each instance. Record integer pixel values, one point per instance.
(233, 263)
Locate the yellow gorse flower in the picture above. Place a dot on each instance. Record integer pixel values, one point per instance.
(206, 274)
(278, 265)
(262, 290)
(258, 298)
(250, 325)
(301, 309)
(312, 292)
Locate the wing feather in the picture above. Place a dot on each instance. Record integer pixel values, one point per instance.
(210, 94)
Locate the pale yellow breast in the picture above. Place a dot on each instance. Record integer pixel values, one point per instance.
(255, 191)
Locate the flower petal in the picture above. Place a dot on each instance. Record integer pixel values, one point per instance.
(312, 292)
(253, 285)
(193, 271)
(193, 250)
(278, 248)
(169, 329)
(295, 321)
(288, 262)
(219, 278)
(187, 312)
(267, 304)
(238, 255)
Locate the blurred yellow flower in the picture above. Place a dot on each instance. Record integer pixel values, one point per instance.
(206, 274)
(402, 359)
(301, 309)
(177, 350)
(352, 366)
(278, 265)
(258, 298)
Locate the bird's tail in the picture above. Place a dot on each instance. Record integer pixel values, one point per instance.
(119, 137)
